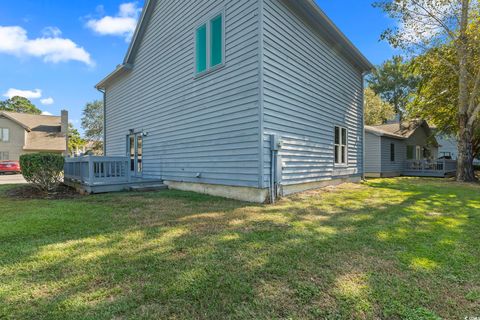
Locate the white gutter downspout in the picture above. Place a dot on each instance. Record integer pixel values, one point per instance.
(363, 123)
(104, 120)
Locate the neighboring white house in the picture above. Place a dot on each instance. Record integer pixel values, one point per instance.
(240, 98)
(448, 147)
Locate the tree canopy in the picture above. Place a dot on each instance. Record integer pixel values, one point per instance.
(447, 30)
(92, 123)
(75, 140)
(377, 111)
(394, 82)
(19, 104)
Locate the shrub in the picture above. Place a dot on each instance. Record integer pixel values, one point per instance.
(43, 170)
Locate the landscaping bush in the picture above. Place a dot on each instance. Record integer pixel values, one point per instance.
(43, 170)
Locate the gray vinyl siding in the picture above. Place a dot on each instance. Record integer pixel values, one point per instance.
(208, 125)
(421, 138)
(400, 155)
(373, 149)
(308, 89)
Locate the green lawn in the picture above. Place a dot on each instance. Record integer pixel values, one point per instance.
(390, 248)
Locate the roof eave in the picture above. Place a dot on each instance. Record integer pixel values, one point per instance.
(121, 69)
(24, 126)
(334, 32)
(138, 32)
(384, 134)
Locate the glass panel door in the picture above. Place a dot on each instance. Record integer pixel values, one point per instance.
(139, 154)
(131, 147)
(135, 153)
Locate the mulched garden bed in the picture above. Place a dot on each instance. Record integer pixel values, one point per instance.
(30, 192)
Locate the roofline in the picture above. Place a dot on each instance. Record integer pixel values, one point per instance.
(6, 115)
(370, 129)
(333, 31)
(347, 45)
(118, 71)
(137, 33)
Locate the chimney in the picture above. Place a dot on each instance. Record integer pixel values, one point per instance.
(64, 128)
(64, 121)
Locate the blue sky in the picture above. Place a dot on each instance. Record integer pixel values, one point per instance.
(54, 52)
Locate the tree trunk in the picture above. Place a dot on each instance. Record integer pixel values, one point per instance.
(465, 169)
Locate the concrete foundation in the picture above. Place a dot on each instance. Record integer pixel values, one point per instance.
(297, 188)
(382, 174)
(253, 194)
(238, 193)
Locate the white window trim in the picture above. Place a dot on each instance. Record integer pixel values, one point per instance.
(1, 135)
(418, 153)
(207, 22)
(340, 164)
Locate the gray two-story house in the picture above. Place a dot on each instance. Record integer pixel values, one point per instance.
(247, 99)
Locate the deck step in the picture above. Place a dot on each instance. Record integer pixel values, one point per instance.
(148, 187)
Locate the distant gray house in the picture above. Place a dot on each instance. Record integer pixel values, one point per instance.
(407, 148)
(247, 99)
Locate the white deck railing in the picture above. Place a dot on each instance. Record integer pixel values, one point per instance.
(92, 170)
(444, 166)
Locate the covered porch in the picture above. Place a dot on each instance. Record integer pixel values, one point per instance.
(428, 168)
(94, 174)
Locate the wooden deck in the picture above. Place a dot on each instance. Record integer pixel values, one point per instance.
(93, 174)
(423, 168)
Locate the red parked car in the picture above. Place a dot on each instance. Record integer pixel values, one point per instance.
(10, 167)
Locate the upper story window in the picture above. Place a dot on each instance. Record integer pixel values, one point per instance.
(4, 135)
(210, 45)
(341, 147)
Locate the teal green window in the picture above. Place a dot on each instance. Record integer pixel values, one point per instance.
(209, 45)
(201, 49)
(216, 41)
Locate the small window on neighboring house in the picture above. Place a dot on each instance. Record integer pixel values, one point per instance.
(4, 135)
(392, 152)
(341, 148)
(410, 152)
(209, 45)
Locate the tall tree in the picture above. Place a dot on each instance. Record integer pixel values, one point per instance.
(19, 104)
(394, 82)
(428, 24)
(437, 96)
(92, 123)
(377, 111)
(75, 140)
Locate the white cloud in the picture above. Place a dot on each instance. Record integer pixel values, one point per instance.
(122, 24)
(46, 113)
(47, 101)
(51, 32)
(29, 94)
(14, 40)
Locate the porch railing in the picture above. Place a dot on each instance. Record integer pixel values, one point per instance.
(442, 166)
(92, 170)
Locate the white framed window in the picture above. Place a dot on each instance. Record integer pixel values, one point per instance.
(4, 134)
(210, 44)
(341, 145)
(4, 155)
